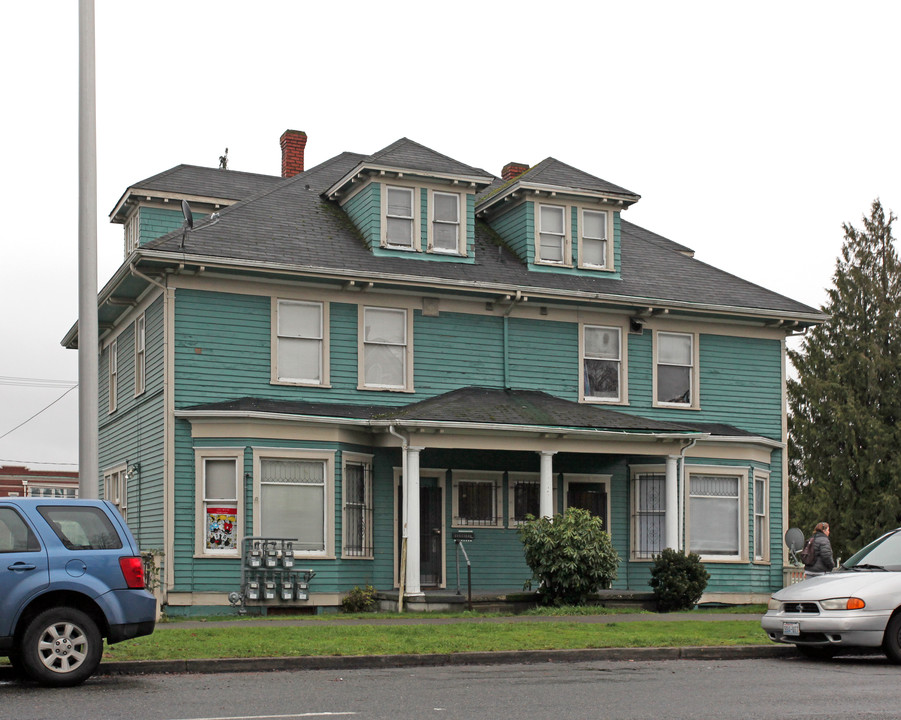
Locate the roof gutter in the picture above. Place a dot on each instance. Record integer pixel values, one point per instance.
(470, 285)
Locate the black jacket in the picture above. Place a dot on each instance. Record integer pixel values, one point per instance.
(824, 562)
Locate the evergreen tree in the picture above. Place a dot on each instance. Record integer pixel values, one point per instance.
(844, 408)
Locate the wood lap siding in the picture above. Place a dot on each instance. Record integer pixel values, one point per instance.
(364, 211)
(544, 355)
(516, 226)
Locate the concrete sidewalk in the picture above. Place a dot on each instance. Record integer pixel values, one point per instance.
(348, 662)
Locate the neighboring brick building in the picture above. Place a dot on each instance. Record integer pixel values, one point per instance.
(18, 480)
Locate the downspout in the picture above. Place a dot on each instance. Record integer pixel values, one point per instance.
(404, 442)
(685, 448)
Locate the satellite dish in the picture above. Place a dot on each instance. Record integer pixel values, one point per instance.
(794, 539)
(189, 216)
(189, 221)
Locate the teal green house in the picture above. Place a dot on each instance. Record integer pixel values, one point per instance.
(362, 359)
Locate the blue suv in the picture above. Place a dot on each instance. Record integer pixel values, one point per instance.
(70, 575)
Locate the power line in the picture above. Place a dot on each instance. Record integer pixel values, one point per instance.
(36, 462)
(38, 412)
(35, 382)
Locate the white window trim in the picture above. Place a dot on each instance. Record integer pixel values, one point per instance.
(623, 398)
(694, 375)
(525, 477)
(460, 250)
(366, 460)
(201, 454)
(140, 354)
(608, 241)
(324, 344)
(634, 472)
(416, 240)
(361, 351)
(133, 232)
(115, 487)
(492, 476)
(328, 527)
(743, 533)
(567, 236)
(113, 385)
(604, 480)
(763, 477)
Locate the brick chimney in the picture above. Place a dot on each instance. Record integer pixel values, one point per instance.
(513, 170)
(293, 142)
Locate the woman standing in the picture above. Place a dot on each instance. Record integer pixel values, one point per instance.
(823, 561)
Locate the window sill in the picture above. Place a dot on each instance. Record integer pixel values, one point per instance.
(599, 401)
(551, 263)
(676, 406)
(467, 526)
(299, 383)
(403, 248)
(369, 558)
(372, 388)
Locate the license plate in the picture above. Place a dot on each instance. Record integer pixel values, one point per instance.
(791, 629)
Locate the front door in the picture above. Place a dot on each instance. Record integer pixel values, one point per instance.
(431, 532)
(590, 496)
(431, 538)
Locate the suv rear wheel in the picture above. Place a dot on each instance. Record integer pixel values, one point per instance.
(61, 647)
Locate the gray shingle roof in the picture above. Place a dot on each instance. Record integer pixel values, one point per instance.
(292, 225)
(470, 405)
(209, 182)
(409, 154)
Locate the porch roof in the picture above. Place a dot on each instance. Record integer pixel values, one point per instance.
(472, 406)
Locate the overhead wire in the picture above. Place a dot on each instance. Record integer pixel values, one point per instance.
(47, 407)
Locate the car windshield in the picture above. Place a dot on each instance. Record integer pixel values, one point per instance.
(884, 553)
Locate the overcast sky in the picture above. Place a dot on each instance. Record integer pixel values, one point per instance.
(751, 130)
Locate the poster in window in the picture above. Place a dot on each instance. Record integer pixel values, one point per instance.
(222, 528)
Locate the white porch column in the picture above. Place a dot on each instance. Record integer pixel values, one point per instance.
(411, 499)
(546, 485)
(671, 524)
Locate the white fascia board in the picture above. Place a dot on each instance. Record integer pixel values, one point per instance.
(406, 172)
(164, 195)
(493, 288)
(746, 439)
(559, 190)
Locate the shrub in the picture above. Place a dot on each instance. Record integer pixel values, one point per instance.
(571, 556)
(360, 600)
(678, 580)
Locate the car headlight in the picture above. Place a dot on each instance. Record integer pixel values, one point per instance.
(773, 604)
(845, 603)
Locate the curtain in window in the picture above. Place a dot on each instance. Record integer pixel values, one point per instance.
(714, 512)
(384, 338)
(300, 341)
(602, 362)
(292, 501)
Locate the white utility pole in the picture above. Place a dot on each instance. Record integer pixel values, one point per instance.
(88, 334)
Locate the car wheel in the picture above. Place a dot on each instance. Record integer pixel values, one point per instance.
(891, 641)
(815, 652)
(61, 647)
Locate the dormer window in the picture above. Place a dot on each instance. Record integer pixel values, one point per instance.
(551, 234)
(593, 252)
(445, 223)
(399, 217)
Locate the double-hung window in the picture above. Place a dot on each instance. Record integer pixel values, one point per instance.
(140, 353)
(113, 375)
(300, 339)
(594, 239)
(552, 234)
(675, 369)
(761, 536)
(714, 515)
(384, 348)
(357, 516)
(399, 231)
(445, 222)
(649, 514)
(115, 489)
(219, 484)
(477, 498)
(602, 363)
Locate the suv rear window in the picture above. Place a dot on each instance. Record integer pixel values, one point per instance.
(81, 528)
(15, 535)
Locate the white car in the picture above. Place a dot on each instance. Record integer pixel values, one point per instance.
(856, 606)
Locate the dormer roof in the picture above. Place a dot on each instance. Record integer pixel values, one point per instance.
(196, 185)
(408, 158)
(552, 176)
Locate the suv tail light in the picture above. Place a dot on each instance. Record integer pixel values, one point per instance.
(133, 572)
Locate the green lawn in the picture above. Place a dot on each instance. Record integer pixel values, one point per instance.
(220, 641)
